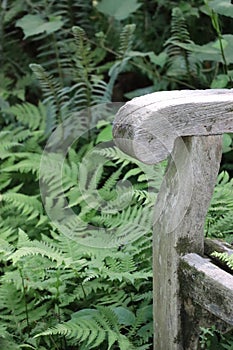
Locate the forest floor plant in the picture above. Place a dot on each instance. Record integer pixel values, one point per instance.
(55, 291)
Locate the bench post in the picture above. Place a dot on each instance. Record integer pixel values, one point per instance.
(181, 206)
(186, 126)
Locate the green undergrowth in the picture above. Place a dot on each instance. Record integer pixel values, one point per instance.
(76, 212)
(55, 290)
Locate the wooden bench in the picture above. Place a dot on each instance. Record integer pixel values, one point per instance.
(189, 289)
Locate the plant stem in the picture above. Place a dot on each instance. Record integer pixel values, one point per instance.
(25, 301)
(58, 61)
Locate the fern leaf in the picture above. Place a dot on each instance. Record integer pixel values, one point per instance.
(27, 204)
(226, 258)
(180, 62)
(30, 115)
(27, 248)
(126, 39)
(49, 85)
(30, 164)
(92, 327)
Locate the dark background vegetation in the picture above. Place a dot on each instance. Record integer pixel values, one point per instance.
(57, 59)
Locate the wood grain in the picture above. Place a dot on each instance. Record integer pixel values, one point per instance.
(180, 212)
(187, 125)
(147, 127)
(208, 285)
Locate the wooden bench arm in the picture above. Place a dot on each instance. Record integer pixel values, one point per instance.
(147, 127)
(150, 128)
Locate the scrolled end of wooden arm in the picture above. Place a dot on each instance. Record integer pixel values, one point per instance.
(147, 127)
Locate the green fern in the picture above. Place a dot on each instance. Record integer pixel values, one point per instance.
(54, 50)
(30, 115)
(77, 11)
(126, 39)
(226, 258)
(91, 89)
(181, 63)
(93, 328)
(27, 248)
(51, 89)
(28, 205)
(123, 54)
(52, 260)
(219, 216)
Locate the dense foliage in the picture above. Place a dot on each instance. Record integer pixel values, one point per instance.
(84, 280)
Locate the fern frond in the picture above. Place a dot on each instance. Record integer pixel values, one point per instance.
(52, 91)
(11, 308)
(92, 327)
(5, 249)
(100, 91)
(94, 89)
(180, 62)
(7, 142)
(226, 258)
(27, 204)
(82, 45)
(77, 11)
(5, 181)
(83, 59)
(8, 233)
(48, 83)
(219, 216)
(27, 165)
(38, 248)
(143, 313)
(220, 226)
(17, 139)
(179, 29)
(126, 39)
(106, 191)
(30, 115)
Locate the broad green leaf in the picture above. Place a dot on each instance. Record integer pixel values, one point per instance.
(211, 51)
(84, 313)
(35, 24)
(105, 135)
(137, 54)
(203, 52)
(188, 9)
(102, 123)
(226, 143)
(140, 92)
(220, 81)
(223, 7)
(158, 60)
(125, 316)
(120, 9)
(132, 172)
(217, 45)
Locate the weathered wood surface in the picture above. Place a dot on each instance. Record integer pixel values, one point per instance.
(178, 228)
(207, 294)
(179, 123)
(208, 285)
(147, 126)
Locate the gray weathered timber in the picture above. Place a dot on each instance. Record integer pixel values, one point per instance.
(188, 126)
(147, 126)
(207, 294)
(213, 287)
(178, 229)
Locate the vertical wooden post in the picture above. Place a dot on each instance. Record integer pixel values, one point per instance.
(178, 229)
(180, 123)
